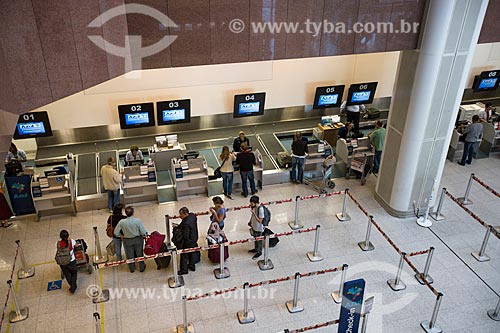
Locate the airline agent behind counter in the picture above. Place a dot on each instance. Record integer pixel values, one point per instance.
(134, 155)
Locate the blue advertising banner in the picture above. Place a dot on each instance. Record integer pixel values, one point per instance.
(20, 194)
(352, 302)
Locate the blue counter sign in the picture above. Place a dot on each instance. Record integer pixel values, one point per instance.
(352, 302)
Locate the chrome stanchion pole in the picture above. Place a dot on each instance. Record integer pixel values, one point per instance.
(99, 257)
(424, 221)
(247, 315)
(425, 275)
(494, 314)
(266, 264)
(294, 225)
(176, 281)
(295, 305)
(481, 256)
(100, 295)
(170, 245)
(396, 284)
(367, 309)
(97, 318)
(367, 245)
(430, 326)
(437, 216)
(185, 327)
(315, 255)
(343, 216)
(337, 295)
(18, 314)
(465, 199)
(221, 272)
(24, 271)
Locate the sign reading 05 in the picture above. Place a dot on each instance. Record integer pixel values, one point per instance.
(328, 97)
(136, 115)
(33, 125)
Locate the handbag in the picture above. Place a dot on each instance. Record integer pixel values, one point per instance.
(111, 248)
(217, 172)
(110, 231)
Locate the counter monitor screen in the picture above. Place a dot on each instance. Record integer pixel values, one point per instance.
(33, 125)
(328, 97)
(361, 93)
(173, 112)
(136, 115)
(486, 81)
(249, 105)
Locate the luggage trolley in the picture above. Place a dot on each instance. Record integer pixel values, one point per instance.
(326, 181)
(361, 162)
(81, 256)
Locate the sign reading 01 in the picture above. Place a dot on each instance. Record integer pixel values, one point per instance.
(33, 125)
(136, 115)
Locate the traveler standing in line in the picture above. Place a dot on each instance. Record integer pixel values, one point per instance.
(353, 113)
(227, 170)
(65, 252)
(239, 140)
(186, 236)
(299, 152)
(257, 227)
(246, 160)
(5, 210)
(377, 138)
(111, 180)
(218, 212)
(113, 220)
(134, 155)
(473, 133)
(133, 238)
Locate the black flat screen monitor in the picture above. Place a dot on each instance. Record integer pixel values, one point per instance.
(328, 97)
(249, 105)
(173, 112)
(136, 115)
(486, 81)
(33, 125)
(361, 93)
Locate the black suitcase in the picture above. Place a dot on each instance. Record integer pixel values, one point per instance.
(163, 262)
(272, 241)
(371, 113)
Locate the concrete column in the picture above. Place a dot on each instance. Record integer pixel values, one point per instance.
(428, 90)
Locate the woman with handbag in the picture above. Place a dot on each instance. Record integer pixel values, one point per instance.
(226, 170)
(113, 220)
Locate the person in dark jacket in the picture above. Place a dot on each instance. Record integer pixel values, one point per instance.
(113, 219)
(239, 140)
(189, 229)
(299, 152)
(5, 211)
(346, 132)
(246, 160)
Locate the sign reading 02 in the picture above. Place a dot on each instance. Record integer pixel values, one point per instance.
(136, 115)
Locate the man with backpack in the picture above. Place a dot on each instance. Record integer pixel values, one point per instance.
(258, 221)
(65, 258)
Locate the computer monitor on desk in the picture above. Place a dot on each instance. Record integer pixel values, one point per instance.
(364, 142)
(135, 162)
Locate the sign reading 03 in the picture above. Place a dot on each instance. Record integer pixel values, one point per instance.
(136, 115)
(173, 112)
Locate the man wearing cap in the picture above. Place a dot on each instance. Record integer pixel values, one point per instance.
(239, 140)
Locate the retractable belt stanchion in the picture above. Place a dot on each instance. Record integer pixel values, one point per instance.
(175, 281)
(343, 216)
(99, 256)
(315, 255)
(465, 199)
(424, 221)
(18, 314)
(295, 305)
(266, 264)
(24, 271)
(247, 315)
(494, 314)
(99, 295)
(185, 327)
(337, 295)
(437, 216)
(367, 245)
(396, 284)
(430, 326)
(367, 309)
(294, 225)
(169, 235)
(481, 256)
(425, 275)
(221, 272)
(97, 318)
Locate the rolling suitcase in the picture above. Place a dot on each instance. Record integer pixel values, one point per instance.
(162, 262)
(154, 243)
(272, 241)
(214, 254)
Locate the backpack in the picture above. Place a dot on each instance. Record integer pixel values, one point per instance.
(267, 216)
(63, 254)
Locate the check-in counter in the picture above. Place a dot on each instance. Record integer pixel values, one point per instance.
(53, 194)
(193, 179)
(456, 148)
(354, 148)
(139, 184)
(329, 133)
(257, 172)
(162, 157)
(491, 139)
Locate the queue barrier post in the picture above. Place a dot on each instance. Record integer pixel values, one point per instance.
(343, 216)
(430, 326)
(99, 295)
(337, 295)
(185, 327)
(175, 281)
(266, 264)
(465, 199)
(396, 284)
(481, 256)
(295, 305)
(294, 225)
(247, 315)
(99, 256)
(18, 314)
(367, 309)
(221, 272)
(494, 314)
(437, 216)
(424, 220)
(170, 245)
(97, 318)
(315, 255)
(25, 271)
(422, 277)
(366, 245)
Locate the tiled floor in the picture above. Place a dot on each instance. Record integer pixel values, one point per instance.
(467, 284)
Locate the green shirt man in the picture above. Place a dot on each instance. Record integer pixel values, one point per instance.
(377, 138)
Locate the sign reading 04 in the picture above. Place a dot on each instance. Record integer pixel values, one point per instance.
(136, 115)
(33, 125)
